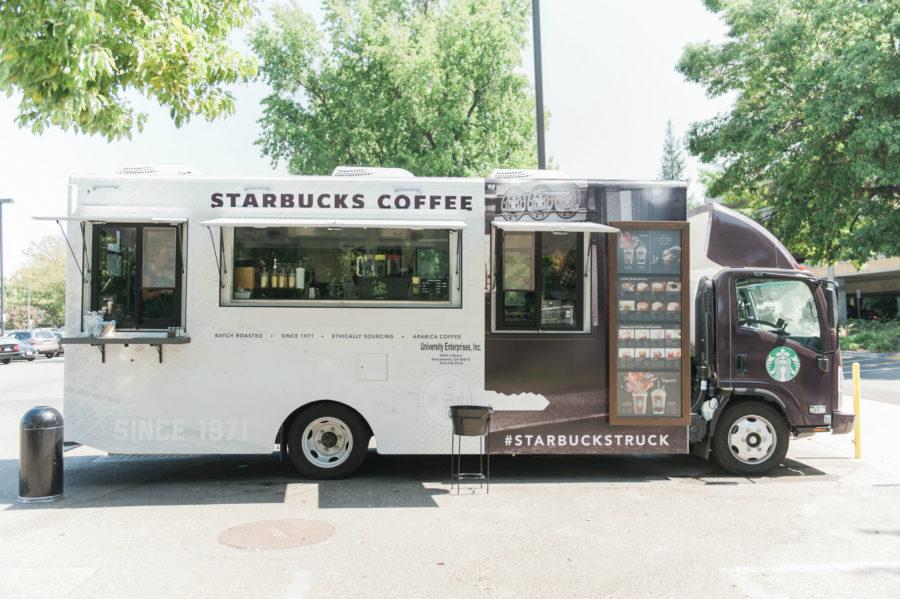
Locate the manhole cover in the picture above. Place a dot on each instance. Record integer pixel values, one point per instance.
(276, 534)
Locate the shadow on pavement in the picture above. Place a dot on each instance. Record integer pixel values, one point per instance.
(382, 482)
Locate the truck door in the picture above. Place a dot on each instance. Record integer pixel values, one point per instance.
(777, 342)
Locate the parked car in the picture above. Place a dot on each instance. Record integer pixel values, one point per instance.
(27, 352)
(43, 340)
(9, 349)
(59, 335)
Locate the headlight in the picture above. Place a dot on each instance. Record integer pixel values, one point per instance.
(845, 402)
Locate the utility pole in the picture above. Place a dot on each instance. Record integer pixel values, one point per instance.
(2, 282)
(538, 82)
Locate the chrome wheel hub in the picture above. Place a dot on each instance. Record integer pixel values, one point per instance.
(327, 442)
(752, 439)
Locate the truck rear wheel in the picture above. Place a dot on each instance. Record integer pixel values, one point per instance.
(327, 441)
(751, 439)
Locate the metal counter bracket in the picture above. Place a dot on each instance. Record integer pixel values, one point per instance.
(101, 342)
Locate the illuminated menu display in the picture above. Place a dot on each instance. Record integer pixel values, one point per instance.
(649, 366)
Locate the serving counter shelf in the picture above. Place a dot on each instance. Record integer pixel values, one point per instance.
(126, 339)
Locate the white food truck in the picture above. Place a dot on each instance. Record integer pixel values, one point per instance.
(308, 315)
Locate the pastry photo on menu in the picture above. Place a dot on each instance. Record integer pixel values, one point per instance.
(626, 305)
(657, 307)
(642, 287)
(642, 306)
(626, 334)
(673, 286)
(657, 286)
(641, 334)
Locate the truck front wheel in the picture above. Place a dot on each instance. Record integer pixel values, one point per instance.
(327, 441)
(751, 439)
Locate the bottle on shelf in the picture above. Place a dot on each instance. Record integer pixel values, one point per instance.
(291, 277)
(264, 279)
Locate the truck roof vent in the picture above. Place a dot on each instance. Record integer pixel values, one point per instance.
(370, 171)
(156, 169)
(525, 173)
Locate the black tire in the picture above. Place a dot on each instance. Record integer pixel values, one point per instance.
(48, 356)
(7, 361)
(358, 441)
(30, 359)
(754, 414)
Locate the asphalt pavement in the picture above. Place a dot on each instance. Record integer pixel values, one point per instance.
(879, 375)
(823, 525)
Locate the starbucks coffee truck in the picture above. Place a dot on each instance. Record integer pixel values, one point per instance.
(324, 317)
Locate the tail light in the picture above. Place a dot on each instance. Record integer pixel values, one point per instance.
(16, 347)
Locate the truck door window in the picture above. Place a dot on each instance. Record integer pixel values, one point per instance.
(783, 307)
(540, 280)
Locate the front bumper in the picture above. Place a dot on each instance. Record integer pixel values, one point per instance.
(842, 424)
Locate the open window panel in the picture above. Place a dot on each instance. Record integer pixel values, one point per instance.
(136, 273)
(540, 281)
(649, 316)
(387, 266)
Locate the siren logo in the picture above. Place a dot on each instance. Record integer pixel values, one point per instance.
(540, 202)
(782, 364)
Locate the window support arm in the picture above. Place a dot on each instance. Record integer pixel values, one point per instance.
(72, 251)
(217, 253)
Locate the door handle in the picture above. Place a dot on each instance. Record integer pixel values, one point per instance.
(743, 364)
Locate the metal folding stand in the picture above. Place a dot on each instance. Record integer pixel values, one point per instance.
(483, 474)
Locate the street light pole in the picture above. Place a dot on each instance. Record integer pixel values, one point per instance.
(538, 82)
(2, 283)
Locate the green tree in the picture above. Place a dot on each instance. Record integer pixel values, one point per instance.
(37, 289)
(813, 137)
(74, 62)
(433, 87)
(671, 165)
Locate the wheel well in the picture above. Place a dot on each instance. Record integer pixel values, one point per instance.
(769, 401)
(286, 424)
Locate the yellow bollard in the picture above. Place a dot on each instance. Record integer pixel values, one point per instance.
(857, 437)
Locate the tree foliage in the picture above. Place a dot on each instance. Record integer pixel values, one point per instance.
(430, 86)
(75, 61)
(671, 165)
(812, 141)
(40, 283)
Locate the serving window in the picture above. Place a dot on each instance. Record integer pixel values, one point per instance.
(540, 280)
(342, 265)
(136, 275)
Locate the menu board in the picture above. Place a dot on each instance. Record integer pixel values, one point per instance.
(649, 316)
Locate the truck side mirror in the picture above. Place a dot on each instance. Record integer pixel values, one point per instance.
(831, 301)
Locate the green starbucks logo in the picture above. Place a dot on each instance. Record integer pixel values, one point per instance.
(782, 364)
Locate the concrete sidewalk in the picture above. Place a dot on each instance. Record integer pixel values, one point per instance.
(823, 525)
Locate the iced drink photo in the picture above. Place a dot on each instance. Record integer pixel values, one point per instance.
(640, 402)
(641, 255)
(658, 398)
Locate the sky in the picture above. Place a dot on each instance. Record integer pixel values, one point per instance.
(609, 84)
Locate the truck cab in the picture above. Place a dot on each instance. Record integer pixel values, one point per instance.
(767, 360)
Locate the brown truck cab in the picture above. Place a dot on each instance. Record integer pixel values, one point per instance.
(767, 360)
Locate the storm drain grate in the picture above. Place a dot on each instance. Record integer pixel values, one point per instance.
(276, 534)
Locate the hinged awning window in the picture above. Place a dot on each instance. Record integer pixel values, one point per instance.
(558, 226)
(112, 218)
(335, 223)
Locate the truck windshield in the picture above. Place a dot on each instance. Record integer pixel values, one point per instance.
(783, 307)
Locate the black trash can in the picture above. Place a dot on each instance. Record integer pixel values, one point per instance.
(471, 421)
(41, 455)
